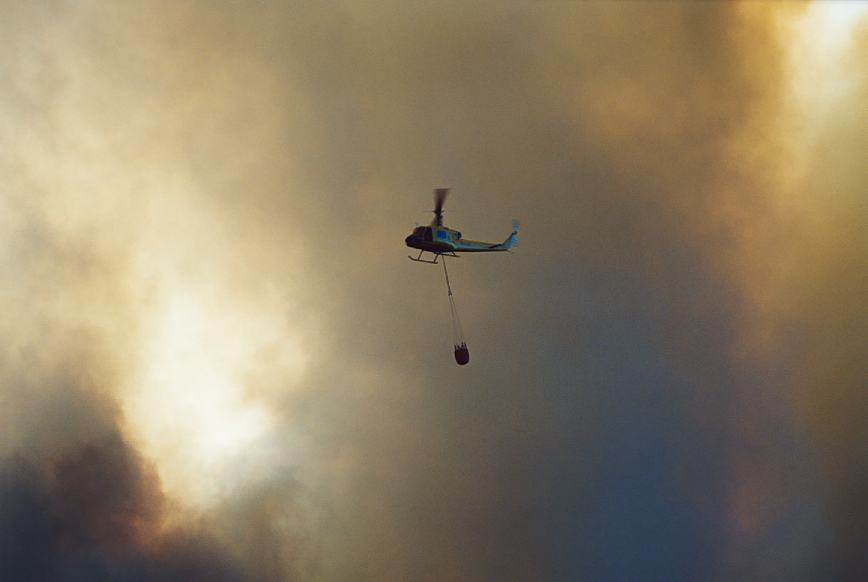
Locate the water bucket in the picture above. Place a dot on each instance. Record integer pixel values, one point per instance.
(462, 354)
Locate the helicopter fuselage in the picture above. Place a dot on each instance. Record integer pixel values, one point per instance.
(440, 239)
(433, 239)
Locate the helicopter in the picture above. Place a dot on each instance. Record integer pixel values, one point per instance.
(441, 240)
(446, 242)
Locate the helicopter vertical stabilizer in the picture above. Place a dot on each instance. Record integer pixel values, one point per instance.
(512, 240)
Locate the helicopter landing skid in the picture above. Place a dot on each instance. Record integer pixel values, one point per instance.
(419, 259)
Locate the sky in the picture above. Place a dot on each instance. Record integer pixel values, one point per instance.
(217, 362)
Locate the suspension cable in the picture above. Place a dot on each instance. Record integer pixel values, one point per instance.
(445, 272)
(457, 332)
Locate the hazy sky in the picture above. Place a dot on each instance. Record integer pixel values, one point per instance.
(218, 364)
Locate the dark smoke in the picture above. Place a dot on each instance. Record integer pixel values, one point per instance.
(93, 510)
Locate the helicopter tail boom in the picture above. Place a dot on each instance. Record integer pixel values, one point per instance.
(474, 246)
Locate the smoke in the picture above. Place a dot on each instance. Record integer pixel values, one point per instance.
(93, 513)
(77, 501)
(218, 365)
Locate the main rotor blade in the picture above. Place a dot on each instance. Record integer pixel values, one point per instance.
(439, 199)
